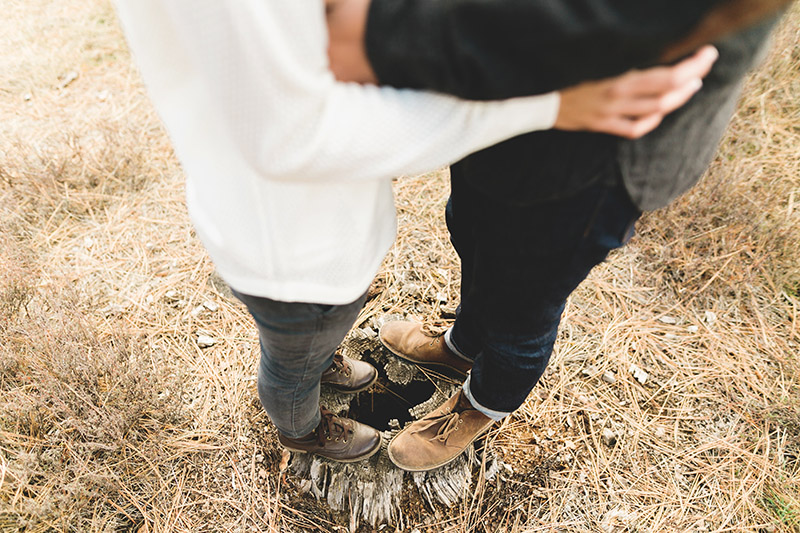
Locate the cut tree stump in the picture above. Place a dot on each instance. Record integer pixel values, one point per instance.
(372, 490)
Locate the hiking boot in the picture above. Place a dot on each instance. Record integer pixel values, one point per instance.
(349, 375)
(337, 438)
(417, 344)
(439, 437)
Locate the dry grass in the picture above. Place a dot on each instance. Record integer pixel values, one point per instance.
(112, 419)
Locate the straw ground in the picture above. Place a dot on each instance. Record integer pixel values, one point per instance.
(113, 418)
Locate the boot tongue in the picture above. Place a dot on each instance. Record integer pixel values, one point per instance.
(463, 403)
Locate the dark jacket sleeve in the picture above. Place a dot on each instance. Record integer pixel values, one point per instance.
(486, 49)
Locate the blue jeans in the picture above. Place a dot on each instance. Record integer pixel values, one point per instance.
(298, 341)
(519, 263)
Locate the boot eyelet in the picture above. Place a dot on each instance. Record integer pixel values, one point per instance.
(328, 438)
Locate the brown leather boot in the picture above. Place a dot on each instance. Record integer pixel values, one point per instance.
(416, 344)
(349, 375)
(337, 438)
(439, 437)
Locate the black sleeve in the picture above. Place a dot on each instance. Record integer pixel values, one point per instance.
(487, 49)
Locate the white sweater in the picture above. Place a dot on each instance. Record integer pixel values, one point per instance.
(288, 171)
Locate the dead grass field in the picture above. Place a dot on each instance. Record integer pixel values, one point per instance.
(113, 419)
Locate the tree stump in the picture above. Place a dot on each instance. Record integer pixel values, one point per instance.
(371, 490)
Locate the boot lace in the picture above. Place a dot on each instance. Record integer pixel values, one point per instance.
(331, 427)
(340, 366)
(434, 329)
(448, 424)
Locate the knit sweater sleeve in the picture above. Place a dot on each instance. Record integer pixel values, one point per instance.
(263, 73)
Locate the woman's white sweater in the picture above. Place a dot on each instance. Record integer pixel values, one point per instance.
(288, 171)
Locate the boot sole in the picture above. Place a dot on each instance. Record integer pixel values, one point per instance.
(352, 460)
(439, 465)
(352, 391)
(432, 366)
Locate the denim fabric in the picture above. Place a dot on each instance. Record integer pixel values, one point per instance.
(298, 341)
(519, 265)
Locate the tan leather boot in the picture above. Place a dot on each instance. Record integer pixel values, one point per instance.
(415, 343)
(337, 438)
(349, 375)
(439, 437)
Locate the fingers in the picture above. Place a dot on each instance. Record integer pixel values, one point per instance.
(637, 118)
(658, 80)
(635, 103)
(662, 103)
(696, 66)
(629, 128)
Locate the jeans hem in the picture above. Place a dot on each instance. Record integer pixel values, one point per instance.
(448, 340)
(491, 413)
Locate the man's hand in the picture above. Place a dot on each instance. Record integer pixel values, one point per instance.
(347, 22)
(635, 103)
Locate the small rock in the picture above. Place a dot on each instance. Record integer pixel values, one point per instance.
(441, 297)
(262, 473)
(609, 437)
(589, 371)
(211, 305)
(197, 310)
(609, 377)
(710, 317)
(668, 319)
(639, 375)
(583, 399)
(692, 329)
(410, 288)
(447, 312)
(543, 394)
(206, 341)
(67, 78)
(369, 332)
(103, 95)
(113, 309)
(670, 336)
(660, 433)
(27, 97)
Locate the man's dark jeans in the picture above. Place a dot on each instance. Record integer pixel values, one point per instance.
(519, 264)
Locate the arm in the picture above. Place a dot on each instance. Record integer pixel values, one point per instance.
(259, 71)
(499, 48)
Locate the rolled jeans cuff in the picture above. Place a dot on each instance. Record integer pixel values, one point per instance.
(448, 340)
(494, 415)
